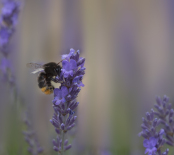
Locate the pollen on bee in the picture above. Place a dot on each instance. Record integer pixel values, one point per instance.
(43, 89)
(48, 91)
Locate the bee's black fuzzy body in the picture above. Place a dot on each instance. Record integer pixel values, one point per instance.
(51, 69)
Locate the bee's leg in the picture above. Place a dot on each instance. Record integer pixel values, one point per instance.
(54, 80)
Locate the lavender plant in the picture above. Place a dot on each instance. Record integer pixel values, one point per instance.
(30, 137)
(64, 102)
(153, 129)
(8, 21)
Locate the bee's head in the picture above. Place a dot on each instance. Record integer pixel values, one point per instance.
(58, 70)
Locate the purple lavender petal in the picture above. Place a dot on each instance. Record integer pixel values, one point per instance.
(146, 143)
(73, 64)
(64, 91)
(67, 56)
(58, 102)
(57, 93)
(65, 65)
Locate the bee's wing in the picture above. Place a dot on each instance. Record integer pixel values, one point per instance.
(34, 65)
(38, 67)
(37, 70)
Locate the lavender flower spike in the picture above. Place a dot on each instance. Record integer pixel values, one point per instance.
(8, 20)
(64, 102)
(154, 140)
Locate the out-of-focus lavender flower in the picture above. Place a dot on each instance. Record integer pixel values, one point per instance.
(8, 21)
(150, 144)
(65, 98)
(30, 137)
(154, 140)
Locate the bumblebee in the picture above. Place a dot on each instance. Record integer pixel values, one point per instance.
(46, 74)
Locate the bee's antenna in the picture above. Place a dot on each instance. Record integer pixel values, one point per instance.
(60, 61)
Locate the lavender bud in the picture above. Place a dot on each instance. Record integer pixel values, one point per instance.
(54, 142)
(145, 122)
(63, 126)
(156, 113)
(153, 130)
(161, 132)
(170, 120)
(68, 128)
(167, 112)
(148, 116)
(155, 122)
(68, 110)
(171, 113)
(68, 98)
(51, 121)
(163, 142)
(165, 98)
(73, 120)
(68, 147)
(169, 138)
(73, 107)
(166, 152)
(167, 128)
(164, 104)
(143, 135)
(158, 100)
(81, 61)
(169, 143)
(55, 148)
(143, 126)
(159, 109)
(147, 132)
(57, 131)
(66, 142)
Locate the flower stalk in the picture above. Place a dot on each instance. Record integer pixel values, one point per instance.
(64, 102)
